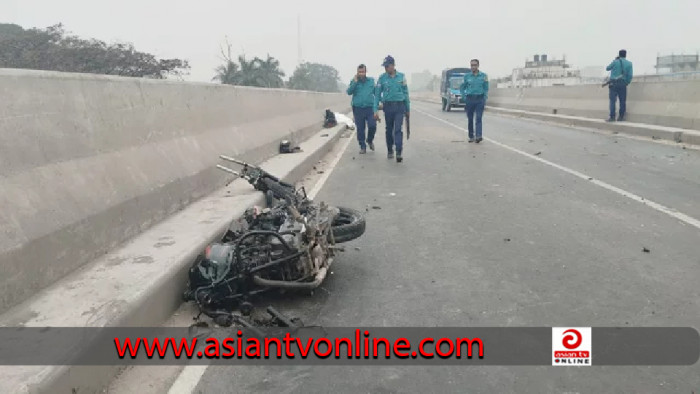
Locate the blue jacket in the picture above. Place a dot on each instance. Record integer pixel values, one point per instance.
(616, 68)
(392, 89)
(475, 84)
(362, 93)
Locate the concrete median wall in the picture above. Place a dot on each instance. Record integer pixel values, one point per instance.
(667, 103)
(88, 162)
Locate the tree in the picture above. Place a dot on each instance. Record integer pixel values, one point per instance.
(53, 50)
(270, 72)
(257, 72)
(315, 77)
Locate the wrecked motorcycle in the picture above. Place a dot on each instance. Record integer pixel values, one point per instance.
(288, 245)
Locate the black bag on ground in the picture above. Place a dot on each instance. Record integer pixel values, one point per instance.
(330, 120)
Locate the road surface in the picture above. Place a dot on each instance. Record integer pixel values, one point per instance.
(509, 232)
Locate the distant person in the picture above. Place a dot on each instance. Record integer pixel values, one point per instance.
(620, 76)
(392, 92)
(362, 91)
(475, 90)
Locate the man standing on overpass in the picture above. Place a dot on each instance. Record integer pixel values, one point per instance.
(392, 91)
(362, 90)
(620, 76)
(475, 90)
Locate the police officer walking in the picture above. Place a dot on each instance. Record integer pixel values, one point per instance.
(362, 91)
(475, 90)
(392, 92)
(620, 77)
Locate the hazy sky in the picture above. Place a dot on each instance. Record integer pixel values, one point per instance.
(426, 35)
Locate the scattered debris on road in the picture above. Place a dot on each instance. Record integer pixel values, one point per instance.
(538, 153)
(286, 147)
(376, 207)
(506, 239)
(645, 250)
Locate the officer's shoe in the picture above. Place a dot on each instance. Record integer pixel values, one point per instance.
(610, 120)
(479, 140)
(371, 145)
(620, 118)
(471, 140)
(363, 151)
(399, 159)
(390, 155)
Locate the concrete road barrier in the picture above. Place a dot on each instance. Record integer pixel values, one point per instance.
(88, 162)
(667, 103)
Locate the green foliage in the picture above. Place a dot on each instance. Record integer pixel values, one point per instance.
(52, 49)
(256, 72)
(315, 77)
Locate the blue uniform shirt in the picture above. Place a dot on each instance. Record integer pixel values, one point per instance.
(475, 84)
(392, 89)
(616, 68)
(362, 92)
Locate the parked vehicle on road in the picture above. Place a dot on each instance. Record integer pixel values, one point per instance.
(449, 87)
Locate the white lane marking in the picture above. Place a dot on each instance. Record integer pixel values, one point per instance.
(329, 170)
(659, 207)
(191, 375)
(188, 379)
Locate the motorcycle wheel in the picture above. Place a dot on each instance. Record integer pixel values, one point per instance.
(350, 224)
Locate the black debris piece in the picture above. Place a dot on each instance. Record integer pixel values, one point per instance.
(329, 120)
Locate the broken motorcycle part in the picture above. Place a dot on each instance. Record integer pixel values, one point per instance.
(290, 244)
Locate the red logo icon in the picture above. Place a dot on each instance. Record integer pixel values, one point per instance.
(577, 338)
(571, 345)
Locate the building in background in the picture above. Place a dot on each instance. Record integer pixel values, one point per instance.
(677, 64)
(542, 71)
(593, 74)
(673, 68)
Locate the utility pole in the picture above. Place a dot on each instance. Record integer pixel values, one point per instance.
(299, 59)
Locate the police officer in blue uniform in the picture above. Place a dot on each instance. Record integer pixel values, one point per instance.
(475, 90)
(392, 92)
(362, 90)
(621, 72)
